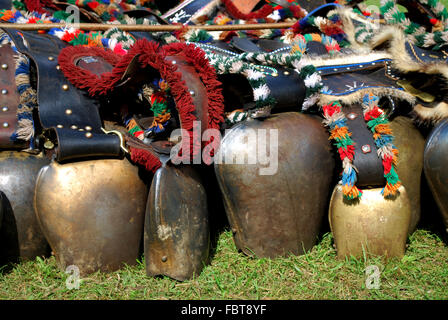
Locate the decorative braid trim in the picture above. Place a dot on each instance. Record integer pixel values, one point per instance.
(28, 97)
(382, 134)
(336, 122)
(416, 33)
(149, 54)
(215, 100)
(257, 80)
(377, 122)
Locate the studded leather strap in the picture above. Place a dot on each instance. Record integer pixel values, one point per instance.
(9, 100)
(69, 111)
(366, 160)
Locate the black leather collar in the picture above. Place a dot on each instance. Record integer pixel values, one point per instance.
(68, 111)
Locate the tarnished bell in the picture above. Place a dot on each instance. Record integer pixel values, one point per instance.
(278, 214)
(372, 224)
(377, 223)
(20, 235)
(435, 163)
(411, 145)
(92, 213)
(177, 235)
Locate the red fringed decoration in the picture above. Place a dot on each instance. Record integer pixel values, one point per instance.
(297, 12)
(296, 28)
(180, 33)
(148, 54)
(145, 158)
(215, 100)
(38, 5)
(262, 13)
(79, 77)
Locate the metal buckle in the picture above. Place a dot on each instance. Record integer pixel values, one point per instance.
(407, 86)
(120, 136)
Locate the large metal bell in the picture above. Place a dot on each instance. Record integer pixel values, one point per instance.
(177, 235)
(279, 212)
(20, 234)
(372, 224)
(436, 169)
(411, 145)
(92, 213)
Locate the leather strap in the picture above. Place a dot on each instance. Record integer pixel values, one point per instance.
(245, 45)
(5, 4)
(185, 11)
(69, 111)
(425, 56)
(308, 5)
(9, 100)
(369, 165)
(287, 88)
(195, 86)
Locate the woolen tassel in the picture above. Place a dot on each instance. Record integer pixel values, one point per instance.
(145, 158)
(37, 5)
(215, 99)
(351, 192)
(390, 190)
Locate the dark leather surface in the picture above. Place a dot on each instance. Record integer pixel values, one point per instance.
(271, 45)
(184, 11)
(435, 166)
(348, 67)
(287, 88)
(265, 45)
(344, 83)
(54, 102)
(222, 45)
(5, 4)
(427, 56)
(10, 100)
(73, 143)
(369, 165)
(194, 83)
(309, 5)
(245, 45)
(316, 48)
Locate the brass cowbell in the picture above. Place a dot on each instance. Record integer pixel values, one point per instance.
(372, 224)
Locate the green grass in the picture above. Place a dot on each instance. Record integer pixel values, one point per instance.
(421, 274)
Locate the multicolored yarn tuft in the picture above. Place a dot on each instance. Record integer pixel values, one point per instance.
(336, 121)
(377, 122)
(416, 33)
(299, 43)
(134, 129)
(331, 26)
(382, 134)
(249, 64)
(159, 107)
